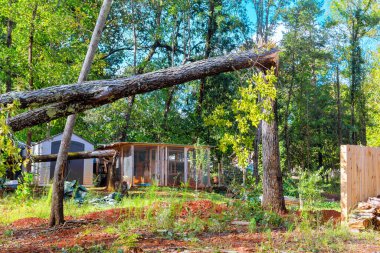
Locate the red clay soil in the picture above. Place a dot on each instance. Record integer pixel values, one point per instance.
(326, 215)
(333, 215)
(111, 215)
(33, 235)
(29, 222)
(201, 208)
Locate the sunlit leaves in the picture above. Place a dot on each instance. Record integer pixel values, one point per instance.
(252, 106)
(10, 158)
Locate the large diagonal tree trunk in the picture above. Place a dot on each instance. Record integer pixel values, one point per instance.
(67, 99)
(56, 215)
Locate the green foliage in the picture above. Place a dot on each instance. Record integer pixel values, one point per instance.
(247, 111)
(25, 186)
(310, 187)
(10, 157)
(372, 92)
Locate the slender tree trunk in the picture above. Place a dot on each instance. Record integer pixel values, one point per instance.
(339, 109)
(8, 72)
(56, 215)
(111, 167)
(256, 150)
(354, 82)
(211, 27)
(127, 117)
(131, 99)
(172, 63)
(168, 103)
(31, 84)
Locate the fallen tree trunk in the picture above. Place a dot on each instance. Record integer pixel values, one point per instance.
(69, 99)
(75, 155)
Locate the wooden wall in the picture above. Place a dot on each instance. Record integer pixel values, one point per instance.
(359, 176)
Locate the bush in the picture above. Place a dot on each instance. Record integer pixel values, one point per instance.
(310, 187)
(24, 189)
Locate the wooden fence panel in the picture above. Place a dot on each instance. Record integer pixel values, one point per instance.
(359, 176)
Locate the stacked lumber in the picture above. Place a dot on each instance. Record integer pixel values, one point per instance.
(366, 215)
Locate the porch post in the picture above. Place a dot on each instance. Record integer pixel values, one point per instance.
(162, 166)
(121, 164)
(166, 166)
(133, 164)
(185, 165)
(157, 163)
(208, 168)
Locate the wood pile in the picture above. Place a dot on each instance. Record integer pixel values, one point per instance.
(366, 215)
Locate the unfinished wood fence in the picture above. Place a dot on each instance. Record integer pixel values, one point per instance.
(359, 176)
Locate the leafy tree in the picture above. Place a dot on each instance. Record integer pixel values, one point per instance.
(246, 115)
(10, 157)
(358, 20)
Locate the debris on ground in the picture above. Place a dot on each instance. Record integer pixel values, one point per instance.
(110, 199)
(74, 190)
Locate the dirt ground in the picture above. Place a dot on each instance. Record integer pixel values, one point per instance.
(33, 234)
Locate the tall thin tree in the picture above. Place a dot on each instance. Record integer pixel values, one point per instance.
(56, 215)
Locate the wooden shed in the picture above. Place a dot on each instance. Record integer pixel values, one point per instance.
(166, 164)
(79, 169)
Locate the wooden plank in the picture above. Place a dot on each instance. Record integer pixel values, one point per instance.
(360, 175)
(352, 186)
(372, 192)
(344, 181)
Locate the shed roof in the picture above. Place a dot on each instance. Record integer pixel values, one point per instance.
(52, 137)
(118, 144)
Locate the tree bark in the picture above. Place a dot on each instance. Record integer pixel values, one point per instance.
(131, 99)
(68, 99)
(273, 196)
(127, 117)
(75, 155)
(28, 165)
(8, 72)
(56, 215)
(31, 83)
(111, 174)
(256, 151)
(168, 102)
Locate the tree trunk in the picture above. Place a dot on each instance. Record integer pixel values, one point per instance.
(56, 215)
(338, 104)
(127, 117)
(168, 103)
(211, 27)
(111, 166)
(8, 72)
(256, 150)
(68, 99)
(75, 155)
(31, 84)
(273, 196)
(28, 165)
(131, 99)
